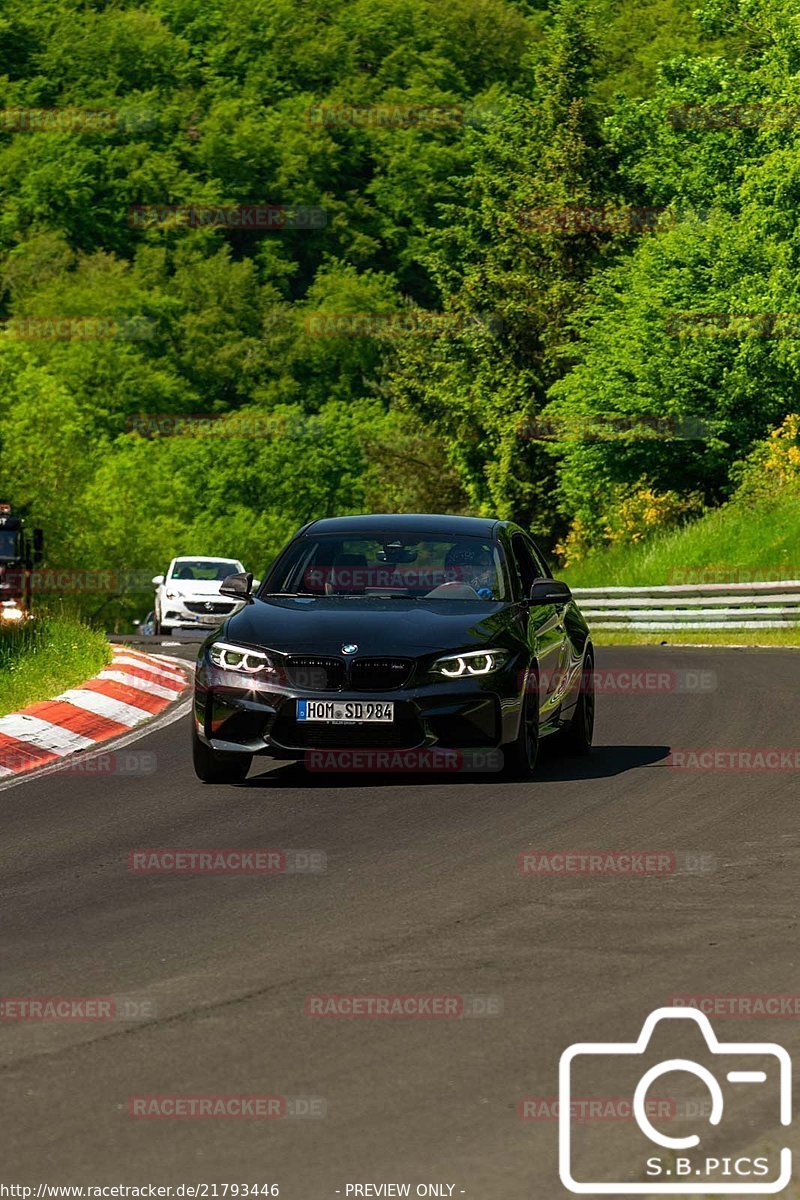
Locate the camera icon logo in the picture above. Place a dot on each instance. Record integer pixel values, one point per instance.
(675, 1170)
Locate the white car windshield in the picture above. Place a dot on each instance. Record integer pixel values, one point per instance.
(205, 570)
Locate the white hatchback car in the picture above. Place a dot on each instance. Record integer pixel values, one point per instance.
(187, 597)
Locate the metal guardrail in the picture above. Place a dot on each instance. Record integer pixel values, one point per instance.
(693, 606)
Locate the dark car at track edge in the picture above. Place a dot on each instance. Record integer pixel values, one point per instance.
(396, 632)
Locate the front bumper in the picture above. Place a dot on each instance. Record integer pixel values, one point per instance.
(466, 713)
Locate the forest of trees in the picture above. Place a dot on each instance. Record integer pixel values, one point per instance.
(536, 203)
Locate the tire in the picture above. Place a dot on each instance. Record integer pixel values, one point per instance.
(521, 754)
(576, 739)
(214, 766)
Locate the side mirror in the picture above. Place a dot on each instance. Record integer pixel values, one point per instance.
(238, 586)
(549, 591)
(157, 580)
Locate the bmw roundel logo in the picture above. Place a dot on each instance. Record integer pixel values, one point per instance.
(349, 648)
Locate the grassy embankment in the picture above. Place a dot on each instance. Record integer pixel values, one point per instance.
(42, 658)
(736, 543)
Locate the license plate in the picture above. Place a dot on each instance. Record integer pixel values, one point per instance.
(346, 712)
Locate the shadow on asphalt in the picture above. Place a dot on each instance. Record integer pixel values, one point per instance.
(604, 762)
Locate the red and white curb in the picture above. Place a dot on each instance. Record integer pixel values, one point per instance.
(133, 689)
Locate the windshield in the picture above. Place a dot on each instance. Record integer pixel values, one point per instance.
(413, 567)
(9, 544)
(209, 571)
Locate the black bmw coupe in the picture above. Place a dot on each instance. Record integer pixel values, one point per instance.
(396, 633)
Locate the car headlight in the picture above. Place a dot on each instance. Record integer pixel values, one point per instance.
(173, 594)
(240, 658)
(473, 662)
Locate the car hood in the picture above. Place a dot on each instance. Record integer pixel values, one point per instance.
(322, 625)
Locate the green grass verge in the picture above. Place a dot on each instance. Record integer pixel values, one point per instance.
(44, 657)
(696, 637)
(736, 543)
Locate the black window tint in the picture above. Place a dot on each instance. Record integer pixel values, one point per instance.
(542, 569)
(527, 568)
(9, 545)
(373, 564)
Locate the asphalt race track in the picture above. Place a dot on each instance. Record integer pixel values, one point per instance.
(422, 895)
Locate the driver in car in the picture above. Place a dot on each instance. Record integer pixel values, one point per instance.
(472, 564)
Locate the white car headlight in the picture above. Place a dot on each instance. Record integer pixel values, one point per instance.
(472, 662)
(240, 658)
(173, 594)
